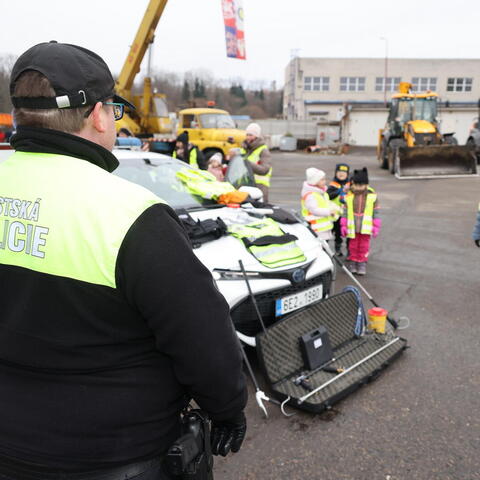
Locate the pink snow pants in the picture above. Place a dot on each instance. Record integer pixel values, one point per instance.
(358, 247)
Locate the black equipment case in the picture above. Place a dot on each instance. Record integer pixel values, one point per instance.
(356, 359)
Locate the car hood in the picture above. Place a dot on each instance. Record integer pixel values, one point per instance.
(225, 252)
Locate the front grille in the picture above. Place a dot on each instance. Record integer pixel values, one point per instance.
(245, 317)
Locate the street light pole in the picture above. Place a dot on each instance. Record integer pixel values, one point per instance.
(385, 74)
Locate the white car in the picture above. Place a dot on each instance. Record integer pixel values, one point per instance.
(277, 291)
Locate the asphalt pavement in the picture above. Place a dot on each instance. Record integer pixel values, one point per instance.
(420, 420)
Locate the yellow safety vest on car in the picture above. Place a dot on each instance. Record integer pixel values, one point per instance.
(203, 183)
(268, 243)
(254, 157)
(80, 242)
(192, 157)
(319, 224)
(367, 220)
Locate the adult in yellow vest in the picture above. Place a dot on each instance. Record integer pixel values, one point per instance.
(109, 321)
(188, 152)
(360, 220)
(257, 152)
(317, 208)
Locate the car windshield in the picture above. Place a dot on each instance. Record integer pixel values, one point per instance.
(425, 109)
(216, 120)
(160, 177)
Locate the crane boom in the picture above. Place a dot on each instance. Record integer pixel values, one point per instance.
(143, 38)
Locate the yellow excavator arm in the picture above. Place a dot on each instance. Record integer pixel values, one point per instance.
(143, 38)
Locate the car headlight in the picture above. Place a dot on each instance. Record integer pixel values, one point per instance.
(224, 274)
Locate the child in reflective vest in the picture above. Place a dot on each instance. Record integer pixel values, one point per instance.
(360, 220)
(317, 208)
(337, 190)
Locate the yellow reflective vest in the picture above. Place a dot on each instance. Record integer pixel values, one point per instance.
(319, 224)
(192, 157)
(367, 220)
(80, 242)
(203, 183)
(254, 157)
(338, 200)
(272, 255)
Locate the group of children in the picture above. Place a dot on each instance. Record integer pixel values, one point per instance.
(348, 207)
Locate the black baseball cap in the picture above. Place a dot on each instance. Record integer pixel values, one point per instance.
(78, 76)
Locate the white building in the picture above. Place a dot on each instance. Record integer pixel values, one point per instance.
(325, 89)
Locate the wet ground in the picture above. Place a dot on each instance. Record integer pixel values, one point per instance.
(420, 420)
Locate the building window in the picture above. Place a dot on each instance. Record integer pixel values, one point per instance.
(391, 82)
(321, 84)
(459, 85)
(352, 84)
(422, 84)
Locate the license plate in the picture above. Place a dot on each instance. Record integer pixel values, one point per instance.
(298, 300)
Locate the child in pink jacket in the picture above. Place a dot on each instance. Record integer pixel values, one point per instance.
(360, 220)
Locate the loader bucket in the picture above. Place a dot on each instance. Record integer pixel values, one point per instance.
(434, 161)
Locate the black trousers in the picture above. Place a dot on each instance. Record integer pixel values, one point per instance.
(148, 470)
(336, 232)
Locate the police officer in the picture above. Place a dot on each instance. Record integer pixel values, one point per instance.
(109, 323)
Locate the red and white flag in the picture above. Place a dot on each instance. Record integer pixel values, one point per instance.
(234, 30)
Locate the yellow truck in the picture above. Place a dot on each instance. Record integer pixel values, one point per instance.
(212, 130)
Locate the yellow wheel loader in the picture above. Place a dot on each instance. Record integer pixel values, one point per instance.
(411, 145)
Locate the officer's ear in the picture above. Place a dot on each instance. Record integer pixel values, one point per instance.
(98, 120)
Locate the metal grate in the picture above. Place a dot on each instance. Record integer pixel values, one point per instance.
(245, 317)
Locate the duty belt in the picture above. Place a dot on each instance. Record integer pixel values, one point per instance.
(30, 471)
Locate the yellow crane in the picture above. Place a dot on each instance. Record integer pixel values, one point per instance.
(151, 115)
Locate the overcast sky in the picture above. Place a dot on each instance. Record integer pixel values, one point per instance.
(190, 34)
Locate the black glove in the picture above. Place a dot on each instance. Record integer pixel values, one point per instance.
(477, 242)
(228, 435)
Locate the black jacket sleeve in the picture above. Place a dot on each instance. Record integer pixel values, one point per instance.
(201, 160)
(333, 192)
(176, 295)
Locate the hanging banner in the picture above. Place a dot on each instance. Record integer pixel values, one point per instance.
(234, 29)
